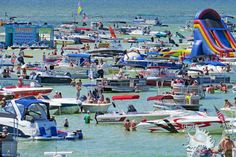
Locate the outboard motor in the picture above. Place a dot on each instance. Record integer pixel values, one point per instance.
(131, 108)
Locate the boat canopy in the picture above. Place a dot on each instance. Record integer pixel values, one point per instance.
(125, 97)
(160, 97)
(28, 102)
(79, 55)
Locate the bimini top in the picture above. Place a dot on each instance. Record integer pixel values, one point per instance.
(160, 97)
(125, 97)
(79, 55)
(207, 14)
(28, 102)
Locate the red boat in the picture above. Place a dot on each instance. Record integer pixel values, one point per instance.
(26, 91)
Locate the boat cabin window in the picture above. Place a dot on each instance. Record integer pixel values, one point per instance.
(9, 108)
(36, 112)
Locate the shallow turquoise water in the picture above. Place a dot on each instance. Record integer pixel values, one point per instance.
(112, 140)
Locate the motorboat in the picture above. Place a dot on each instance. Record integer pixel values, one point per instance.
(62, 105)
(13, 81)
(184, 123)
(180, 89)
(75, 65)
(50, 77)
(176, 100)
(158, 75)
(95, 107)
(26, 91)
(39, 46)
(119, 117)
(64, 40)
(116, 84)
(213, 68)
(30, 118)
(202, 79)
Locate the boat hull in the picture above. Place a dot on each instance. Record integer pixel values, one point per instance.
(65, 109)
(119, 118)
(95, 107)
(56, 80)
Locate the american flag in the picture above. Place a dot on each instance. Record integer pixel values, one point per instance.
(220, 115)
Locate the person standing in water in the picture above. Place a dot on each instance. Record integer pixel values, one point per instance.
(78, 89)
(66, 123)
(127, 125)
(87, 118)
(226, 146)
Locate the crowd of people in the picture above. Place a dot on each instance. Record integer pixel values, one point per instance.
(96, 96)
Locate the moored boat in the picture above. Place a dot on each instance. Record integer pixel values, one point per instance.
(184, 122)
(176, 100)
(119, 117)
(26, 91)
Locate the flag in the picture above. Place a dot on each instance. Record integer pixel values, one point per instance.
(220, 115)
(80, 8)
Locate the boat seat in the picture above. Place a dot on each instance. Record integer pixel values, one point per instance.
(42, 132)
(53, 130)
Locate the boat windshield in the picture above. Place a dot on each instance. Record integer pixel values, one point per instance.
(36, 112)
(9, 108)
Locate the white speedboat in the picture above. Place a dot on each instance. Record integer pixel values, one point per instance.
(62, 105)
(50, 77)
(116, 84)
(184, 123)
(26, 90)
(31, 118)
(95, 107)
(133, 114)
